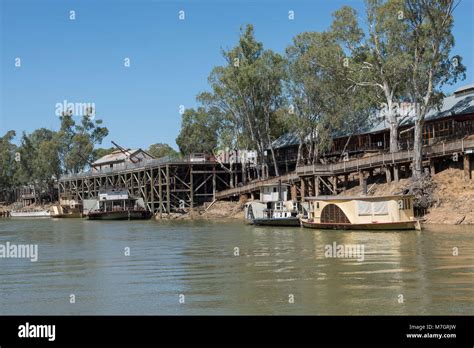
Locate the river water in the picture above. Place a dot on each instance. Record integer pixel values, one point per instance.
(186, 267)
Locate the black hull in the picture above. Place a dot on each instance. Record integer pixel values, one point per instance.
(277, 222)
(121, 215)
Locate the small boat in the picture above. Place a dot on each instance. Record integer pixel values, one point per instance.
(116, 204)
(72, 210)
(272, 213)
(361, 213)
(273, 209)
(30, 214)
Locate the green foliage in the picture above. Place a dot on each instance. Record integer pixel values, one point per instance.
(199, 132)
(247, 93)
(77, 141)
(39, 163)
(7, 163)
(430, 42)
(378, 61)
(160, 150)
(44, 155)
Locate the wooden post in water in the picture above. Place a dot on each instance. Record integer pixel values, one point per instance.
(160, 192)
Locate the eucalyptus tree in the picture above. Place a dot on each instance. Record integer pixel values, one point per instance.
(322, 100)
(76, 141)
(311, 85)
(38, 163)
(431, 66)
(379, 59)
(247, 91)
(160, 150)
(8, 151)
(199, 131)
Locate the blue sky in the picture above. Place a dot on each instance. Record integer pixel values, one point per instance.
(83, 60)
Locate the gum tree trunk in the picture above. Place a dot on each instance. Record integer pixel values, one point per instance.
(418, 150)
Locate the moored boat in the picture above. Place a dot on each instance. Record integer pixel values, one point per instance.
(30, 214)
(361, 213)
(66, 209)
(116, 204)
(273, 209)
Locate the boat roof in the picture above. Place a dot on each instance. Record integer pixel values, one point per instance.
(353, 198)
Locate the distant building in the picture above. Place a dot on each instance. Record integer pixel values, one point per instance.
(454, 120)
(119, 159)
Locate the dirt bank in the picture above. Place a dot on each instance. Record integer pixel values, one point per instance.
(218, 210)
(453, 198)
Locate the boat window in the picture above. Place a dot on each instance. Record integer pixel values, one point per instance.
(404, 204)
(331, 213)
(274, 189)
(380, 208)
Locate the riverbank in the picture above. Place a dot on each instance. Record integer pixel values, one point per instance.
(452, 197)
(218, 210)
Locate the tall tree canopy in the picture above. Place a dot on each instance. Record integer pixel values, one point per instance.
(379, 59)
(322, 101)
(77, 141)
(431, 40)
(160, 150)
(199, 131)
(248, 93)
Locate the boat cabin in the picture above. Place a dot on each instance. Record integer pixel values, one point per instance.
(360, 210)
(274, 192)
(113, 200)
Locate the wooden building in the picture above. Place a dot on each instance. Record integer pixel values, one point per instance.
(119, 159)
(454, 120)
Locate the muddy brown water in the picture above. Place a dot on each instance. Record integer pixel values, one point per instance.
(225, 267)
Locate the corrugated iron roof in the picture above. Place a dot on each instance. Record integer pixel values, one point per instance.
(459, 103)
(115, 156)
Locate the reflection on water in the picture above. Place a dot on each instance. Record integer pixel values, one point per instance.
(275, 265)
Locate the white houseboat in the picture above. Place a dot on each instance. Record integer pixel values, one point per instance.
(30, 214)
(274, 208)
(361, 213)
(115, 204)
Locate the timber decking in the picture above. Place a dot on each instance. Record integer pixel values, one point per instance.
(322, 172)
(384, 159)
(168, 186)
(255, 185)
